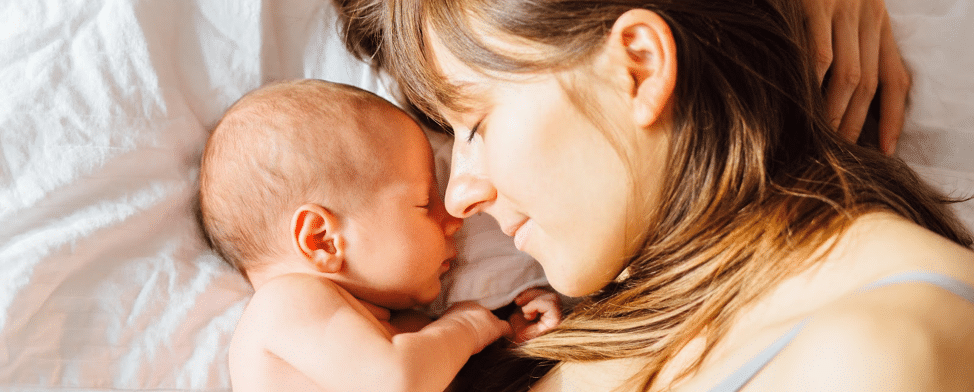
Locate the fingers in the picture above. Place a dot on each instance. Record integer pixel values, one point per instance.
(530, 331)
(522, 329)
(870, 32)
(493, 329)
(865, 58)
(820, 26)
(481, 324)
(547, 305)
(534, 302)
(502, 328)
(846, 69)
(525, 330)
(528, 295)
(895, 81)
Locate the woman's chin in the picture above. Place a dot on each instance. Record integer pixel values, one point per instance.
(572, 287)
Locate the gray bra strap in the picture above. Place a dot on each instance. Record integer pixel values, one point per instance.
(740, 378)
(945, 282)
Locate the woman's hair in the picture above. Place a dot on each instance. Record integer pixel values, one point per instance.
(757, 180)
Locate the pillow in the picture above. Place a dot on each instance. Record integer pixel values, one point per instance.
(938, 135)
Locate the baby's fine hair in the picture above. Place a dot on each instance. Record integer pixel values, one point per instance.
(279, 146)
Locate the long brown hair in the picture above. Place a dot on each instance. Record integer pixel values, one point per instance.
(757, 179)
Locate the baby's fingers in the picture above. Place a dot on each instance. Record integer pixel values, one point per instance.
(528, 295)
(525, 330)
(547, 305)
(480, 322)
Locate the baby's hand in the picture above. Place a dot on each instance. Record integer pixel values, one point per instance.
(483, 325)
(540, 311)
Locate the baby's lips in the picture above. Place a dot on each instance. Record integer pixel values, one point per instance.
(447, 264)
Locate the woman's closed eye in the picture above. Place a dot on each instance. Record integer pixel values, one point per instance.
(473, 131)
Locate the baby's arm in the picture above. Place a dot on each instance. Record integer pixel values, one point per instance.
(325, 335)
(540, 310)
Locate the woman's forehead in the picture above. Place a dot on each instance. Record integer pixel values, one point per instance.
(445, 62)
(460, 76)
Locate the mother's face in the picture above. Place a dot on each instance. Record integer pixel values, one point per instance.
(528, 157)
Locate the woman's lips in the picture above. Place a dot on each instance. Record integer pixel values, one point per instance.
(521, 233)
(509, 230)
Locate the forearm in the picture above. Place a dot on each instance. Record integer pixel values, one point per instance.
(431, 358)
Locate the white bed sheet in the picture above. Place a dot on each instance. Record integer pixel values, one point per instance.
(104, 108)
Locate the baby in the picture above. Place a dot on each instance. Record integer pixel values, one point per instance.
(324, 197)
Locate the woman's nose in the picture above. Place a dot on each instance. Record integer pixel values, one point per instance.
(469, 191)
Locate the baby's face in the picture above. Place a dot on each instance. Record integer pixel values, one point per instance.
(400, 246)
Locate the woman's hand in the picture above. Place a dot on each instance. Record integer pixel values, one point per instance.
(540, 311)
(854, 39)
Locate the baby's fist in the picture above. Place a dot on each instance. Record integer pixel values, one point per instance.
(540, 312)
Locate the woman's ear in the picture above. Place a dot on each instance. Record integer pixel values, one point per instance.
(315, 235)
(642, 42)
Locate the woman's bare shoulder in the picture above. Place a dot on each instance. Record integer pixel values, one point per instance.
(882, 244)
(594, 376)
(907, 336)
(903, 337)
(891, 235)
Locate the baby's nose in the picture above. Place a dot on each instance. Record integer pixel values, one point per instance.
(451, 225)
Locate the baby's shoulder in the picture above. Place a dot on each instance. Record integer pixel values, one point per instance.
(294, 297)
(285, 316)
(285, 304)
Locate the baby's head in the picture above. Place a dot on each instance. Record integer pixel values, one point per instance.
(315, 177)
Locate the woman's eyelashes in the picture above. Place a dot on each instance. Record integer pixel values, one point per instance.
(473, 131)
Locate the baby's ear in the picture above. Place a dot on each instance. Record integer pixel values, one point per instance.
(315, 234)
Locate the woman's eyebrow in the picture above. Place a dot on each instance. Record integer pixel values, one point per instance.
(464, 87)
(469, 94)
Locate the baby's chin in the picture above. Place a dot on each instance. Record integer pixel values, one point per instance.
(414, 302)
(426, 300)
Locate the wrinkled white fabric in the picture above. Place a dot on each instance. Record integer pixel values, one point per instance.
(105, 283)
(938, 136)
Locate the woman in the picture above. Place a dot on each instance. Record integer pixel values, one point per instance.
(674, 162)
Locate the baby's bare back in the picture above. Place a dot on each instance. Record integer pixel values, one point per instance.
(275, 310)
(305, 332)
(254, 369)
